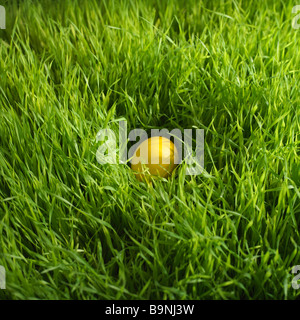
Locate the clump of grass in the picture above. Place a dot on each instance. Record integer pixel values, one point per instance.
(72, 229)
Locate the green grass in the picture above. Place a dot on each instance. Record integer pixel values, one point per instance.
(73, 229)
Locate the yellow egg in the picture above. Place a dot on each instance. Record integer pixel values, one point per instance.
(162, 158)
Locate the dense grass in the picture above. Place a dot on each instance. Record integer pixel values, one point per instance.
(73, 229)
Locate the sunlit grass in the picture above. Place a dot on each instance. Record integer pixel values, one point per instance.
(73, 229)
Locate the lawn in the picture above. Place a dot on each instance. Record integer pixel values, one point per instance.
(71, 228)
